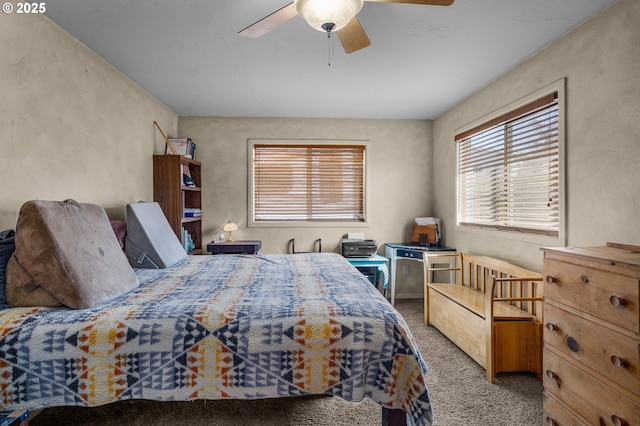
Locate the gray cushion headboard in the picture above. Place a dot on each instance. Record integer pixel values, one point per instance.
(151, 243)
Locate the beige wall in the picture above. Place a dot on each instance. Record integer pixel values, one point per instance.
(399, 176)
(71, 126)
(601, 63)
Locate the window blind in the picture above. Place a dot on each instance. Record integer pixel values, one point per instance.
(508, 171)
(300, 182)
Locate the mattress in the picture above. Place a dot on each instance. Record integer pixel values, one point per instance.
(219, 327)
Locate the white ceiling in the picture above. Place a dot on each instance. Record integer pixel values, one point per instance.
(422, 59)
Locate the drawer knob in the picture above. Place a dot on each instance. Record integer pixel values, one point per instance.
(573, 344)
(618, 362)
(584, 279)
(549, 279)
(550, 375)
(550, 422)
(617, 421)
(551, 327)
(616, 301)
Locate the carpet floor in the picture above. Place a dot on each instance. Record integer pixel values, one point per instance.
(459, 392)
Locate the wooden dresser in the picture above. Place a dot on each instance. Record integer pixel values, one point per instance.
(591, 361)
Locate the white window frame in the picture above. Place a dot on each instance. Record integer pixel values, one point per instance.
(560, 239)
(305, 224)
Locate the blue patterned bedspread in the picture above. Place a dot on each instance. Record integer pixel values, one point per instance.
(216, 327)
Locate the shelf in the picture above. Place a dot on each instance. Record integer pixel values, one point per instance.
(173, 196)
(185, 160)
(191, 219)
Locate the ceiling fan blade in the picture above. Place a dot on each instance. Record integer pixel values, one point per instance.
(425, 2)
(353, 37)
(269, 22)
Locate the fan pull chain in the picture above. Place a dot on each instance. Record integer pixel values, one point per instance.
(328, 27)
(329, 50)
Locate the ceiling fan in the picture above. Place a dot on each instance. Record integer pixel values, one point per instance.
(329, 16)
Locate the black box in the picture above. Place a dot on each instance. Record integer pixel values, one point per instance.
(358, 248)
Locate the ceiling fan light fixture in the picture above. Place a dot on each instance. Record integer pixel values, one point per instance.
(319, 13)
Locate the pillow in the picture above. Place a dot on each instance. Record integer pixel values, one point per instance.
(7, 247)
(66, 253)
(120, 229)
(423, 233)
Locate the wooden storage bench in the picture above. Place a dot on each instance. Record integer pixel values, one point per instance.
(492, 310)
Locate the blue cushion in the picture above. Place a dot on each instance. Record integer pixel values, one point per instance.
(7, 247)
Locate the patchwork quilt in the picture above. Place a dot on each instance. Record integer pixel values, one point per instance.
(217, 327)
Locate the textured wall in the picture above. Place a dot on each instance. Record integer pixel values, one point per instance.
(399, 177)
(601, 63)
(397, 194)
(71, 125)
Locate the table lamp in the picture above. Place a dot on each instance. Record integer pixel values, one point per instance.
(230, 227)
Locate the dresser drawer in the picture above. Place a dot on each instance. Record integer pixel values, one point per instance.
(556, 414)
(612, 354)
(596, 402)
(611, 297)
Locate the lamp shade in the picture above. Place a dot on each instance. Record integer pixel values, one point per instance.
(230, 227)
(317, 13)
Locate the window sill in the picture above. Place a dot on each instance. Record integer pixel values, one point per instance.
(542, 240)
(303, 224)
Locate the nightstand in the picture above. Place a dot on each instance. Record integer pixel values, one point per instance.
(234, 247)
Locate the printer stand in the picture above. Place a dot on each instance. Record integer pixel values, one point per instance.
(377, 262)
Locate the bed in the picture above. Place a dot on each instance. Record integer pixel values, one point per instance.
(219, 327)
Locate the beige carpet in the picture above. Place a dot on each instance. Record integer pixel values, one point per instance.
(459, 392)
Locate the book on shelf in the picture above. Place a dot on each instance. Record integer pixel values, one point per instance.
(187, 241)
(192, 212)
(186, 170)
(183, 146)
(185, 177)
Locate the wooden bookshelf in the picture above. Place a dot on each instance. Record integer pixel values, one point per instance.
(173, 196)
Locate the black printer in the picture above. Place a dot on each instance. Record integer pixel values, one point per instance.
(358, 248)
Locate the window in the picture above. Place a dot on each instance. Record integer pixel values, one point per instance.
(307, 182)
(509, 175)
